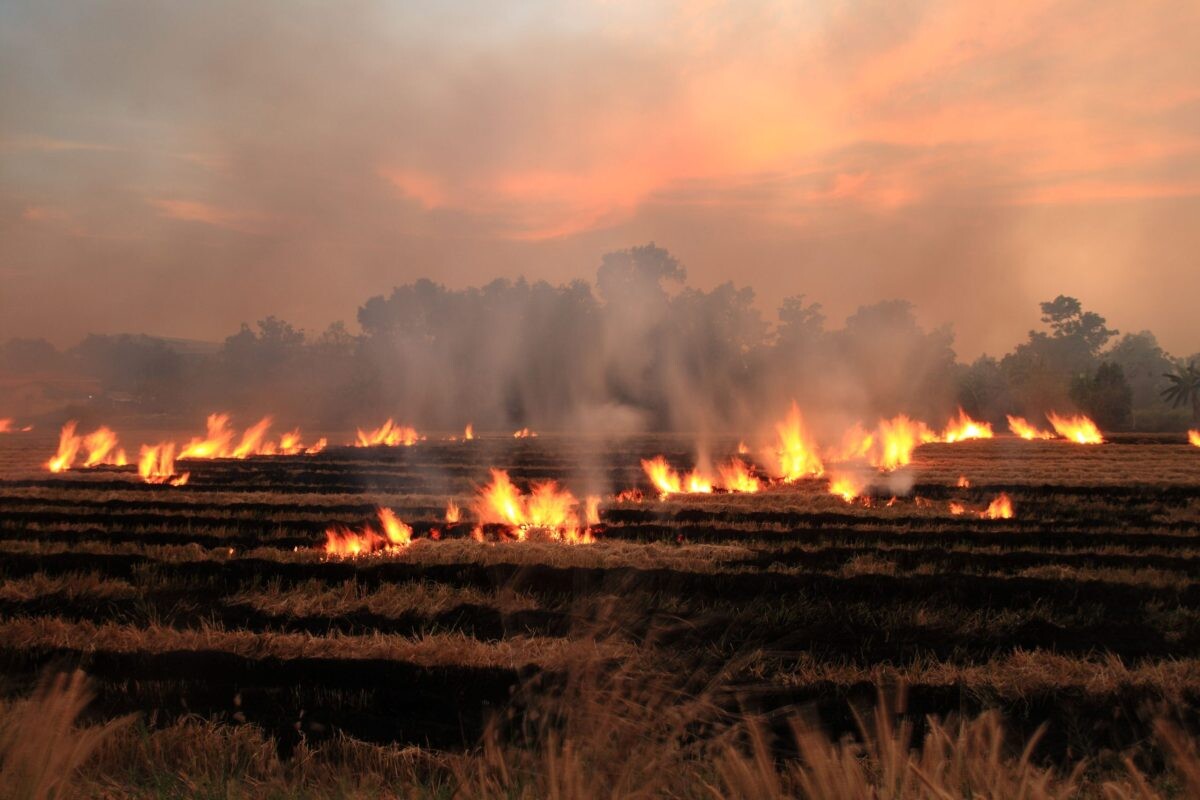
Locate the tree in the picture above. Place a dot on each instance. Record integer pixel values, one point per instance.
(1184, 388)
(1041, 369)
(1105, 396)
(1143, 362)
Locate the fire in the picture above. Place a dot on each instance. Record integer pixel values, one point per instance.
(1022, 428)
(6, 425)
(1194, 438)
(857, 443)
(469, 432)
(453, 512)
(389, 434)
(546, 508)
(796, 453)
(742, 449)
(216, 442)
(156, 464)
(345, 543)
(524, 433)
(736, 476)
(1078, 429)
(963, 427)
(290, 444)
(1000, 508)
(630, 496)
(68, 447)
(897, 438)
(963, 482)
(101, 445)
(957, 509)
(592, 509)
(669, 482)
(845, 487)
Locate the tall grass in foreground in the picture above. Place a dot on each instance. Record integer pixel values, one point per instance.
(601, 735)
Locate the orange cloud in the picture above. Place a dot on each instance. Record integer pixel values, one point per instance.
(207, 214)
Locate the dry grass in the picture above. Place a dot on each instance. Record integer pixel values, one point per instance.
(41, 747)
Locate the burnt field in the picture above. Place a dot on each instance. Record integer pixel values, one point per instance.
(216, 599)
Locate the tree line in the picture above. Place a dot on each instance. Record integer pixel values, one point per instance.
(636, 349)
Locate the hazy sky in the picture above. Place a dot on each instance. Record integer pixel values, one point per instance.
(178, 168)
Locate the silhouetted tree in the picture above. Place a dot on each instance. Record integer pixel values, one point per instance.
(1105, 396)
(1184, 388)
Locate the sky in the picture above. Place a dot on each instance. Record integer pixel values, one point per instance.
(180, 168)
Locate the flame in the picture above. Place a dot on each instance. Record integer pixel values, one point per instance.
(963, 482)
(68, 447)
(1022, 428)
(669, 482)
(897, 438)
(546, 508)
(524, 433)
(1194, 438)
(469, 432)
(101, 445)
(345, 543)
(1078, 429)
(796, 452)
(216, 441)
(1000, 508)
(742, 449)
(252, 440)
(389, 434)
(857, 443)
(156, 464)
(957, 509)
(736, 476)
(592, 509)
(846, 487)
(453, 512)
(6, 425)
(630, 496)
(963, 427)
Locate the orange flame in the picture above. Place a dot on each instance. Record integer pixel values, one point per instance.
(1000, 508)
(963, 482)
(897, 439)
(453, 512)
(1194, 438)
(742, 449)
(736, 476)
(592, 509)
(389, 434)
(1020, 427)
(102, 448)
(216, 442)
(524, 433)
(963, 428)
(6, 425)
(68, 447)
(1078, 429)
(156, 464)
(796, 453)
(469, 432)
(669, 482)
(846, 487)
(342, 542)
(545, 508)
(957, 509)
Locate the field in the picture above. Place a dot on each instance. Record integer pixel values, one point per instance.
(211, 608)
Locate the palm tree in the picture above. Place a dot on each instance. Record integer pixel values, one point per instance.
(1184, 388)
